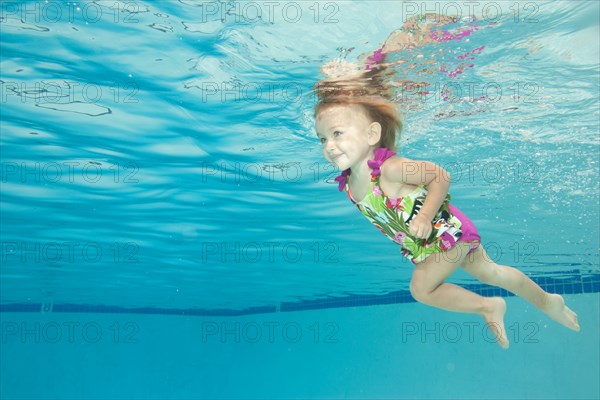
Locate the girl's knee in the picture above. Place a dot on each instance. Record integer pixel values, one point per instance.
(418, 288)
(418, 294)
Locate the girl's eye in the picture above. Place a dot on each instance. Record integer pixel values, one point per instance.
(335, 134)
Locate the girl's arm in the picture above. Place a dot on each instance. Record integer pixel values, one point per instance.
(437, 180)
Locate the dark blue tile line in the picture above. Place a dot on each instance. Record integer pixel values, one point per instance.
(24, 307)
(569, 284)
(77, 308)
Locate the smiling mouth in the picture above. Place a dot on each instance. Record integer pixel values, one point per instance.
(336, 157)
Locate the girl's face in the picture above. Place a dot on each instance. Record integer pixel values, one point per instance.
(346, 135)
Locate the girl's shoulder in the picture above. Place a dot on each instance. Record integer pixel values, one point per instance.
(395, 168)
(397, 177)
(413, 172)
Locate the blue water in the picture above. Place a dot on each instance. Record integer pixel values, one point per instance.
(160, 158)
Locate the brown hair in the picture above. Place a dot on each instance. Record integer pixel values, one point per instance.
(372, 92)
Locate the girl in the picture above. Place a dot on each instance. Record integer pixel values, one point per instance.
(408, 201)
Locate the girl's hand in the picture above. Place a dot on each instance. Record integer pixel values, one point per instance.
(420, 227)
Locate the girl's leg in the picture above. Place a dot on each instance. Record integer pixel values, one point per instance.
(427, 286)
(487, 271)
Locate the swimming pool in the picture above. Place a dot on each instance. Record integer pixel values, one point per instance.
(170, 230)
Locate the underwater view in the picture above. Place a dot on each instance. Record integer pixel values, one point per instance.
(173, 221)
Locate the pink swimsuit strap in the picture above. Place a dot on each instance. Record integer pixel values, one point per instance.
(381, 154)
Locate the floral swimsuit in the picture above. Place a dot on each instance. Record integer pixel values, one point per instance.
(392, 216)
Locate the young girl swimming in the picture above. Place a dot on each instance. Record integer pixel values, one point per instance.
(408, 201)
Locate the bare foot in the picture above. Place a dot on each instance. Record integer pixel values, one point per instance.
(494, 317)
(558, 311)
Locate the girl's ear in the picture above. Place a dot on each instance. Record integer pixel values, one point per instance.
(374, 132)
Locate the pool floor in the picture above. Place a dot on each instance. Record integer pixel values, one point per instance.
(385, 351)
